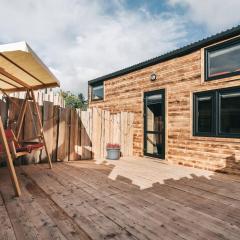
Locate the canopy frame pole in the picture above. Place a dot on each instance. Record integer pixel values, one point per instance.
(10, 165)
(33, 120)
(21, 115)
(21, 112)
(41, 127)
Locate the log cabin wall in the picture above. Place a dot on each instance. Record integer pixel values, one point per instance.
(180, 77)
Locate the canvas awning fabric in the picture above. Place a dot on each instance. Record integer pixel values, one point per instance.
(22, 69)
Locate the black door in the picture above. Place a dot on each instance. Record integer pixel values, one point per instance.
(154, 124)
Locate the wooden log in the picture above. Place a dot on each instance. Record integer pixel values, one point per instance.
(55, 132)
(130, 131)
(63, 139)
(73, 135)
(48, 128)
(107, 125)
(86, 143)
(96, 132)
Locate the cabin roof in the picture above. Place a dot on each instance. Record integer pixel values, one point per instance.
(235, 31)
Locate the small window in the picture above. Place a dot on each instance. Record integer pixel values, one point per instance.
(217, 113)
(97, 92)
(222, 60)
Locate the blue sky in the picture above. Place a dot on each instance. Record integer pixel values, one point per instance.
(195, 31)
(80, 39)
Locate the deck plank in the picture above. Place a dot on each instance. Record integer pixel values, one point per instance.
(97, 225)
(80, 201)
(72, 173)
(65, 224)
(96, 181)
(6, 230)
(135, 220)
(28, 218)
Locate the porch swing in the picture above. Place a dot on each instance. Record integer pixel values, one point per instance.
(21, 70)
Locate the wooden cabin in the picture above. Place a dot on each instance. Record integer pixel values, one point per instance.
(186, 103)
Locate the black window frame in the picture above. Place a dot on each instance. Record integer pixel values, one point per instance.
(97, 85)
(214, 48)
(196, 96)
(216, 116)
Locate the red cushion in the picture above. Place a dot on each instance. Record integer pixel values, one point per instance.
(10, 137)
(33, 146)
(9, 134)
(18, 149)
(28, 148)
(22, 149)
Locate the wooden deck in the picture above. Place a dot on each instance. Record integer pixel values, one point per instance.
(126, 199)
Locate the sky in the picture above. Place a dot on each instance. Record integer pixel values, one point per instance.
(80, 40)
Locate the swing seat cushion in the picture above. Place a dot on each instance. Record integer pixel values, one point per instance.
(29, 147)
(18, 149)
(26, 147)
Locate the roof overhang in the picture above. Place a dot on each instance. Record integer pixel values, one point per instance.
(21, 69)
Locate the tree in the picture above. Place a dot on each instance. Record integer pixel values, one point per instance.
(74, 101)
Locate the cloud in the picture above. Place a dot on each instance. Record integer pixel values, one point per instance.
(81, 39)
(215, 15)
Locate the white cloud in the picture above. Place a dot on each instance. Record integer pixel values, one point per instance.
(216, 15)
(81, 39)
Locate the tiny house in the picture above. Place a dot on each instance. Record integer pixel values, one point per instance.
(186, 103)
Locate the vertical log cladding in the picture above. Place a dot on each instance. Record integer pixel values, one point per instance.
(181, 77)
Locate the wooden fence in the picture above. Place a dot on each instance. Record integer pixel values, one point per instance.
(42, 96)
(73, 134)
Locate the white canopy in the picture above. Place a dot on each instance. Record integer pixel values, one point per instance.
(21, 69)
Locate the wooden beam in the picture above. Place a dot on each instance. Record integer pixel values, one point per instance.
(37, 87)
(15, 79)
(9, 160)
(18, 66)
(41, 127)
(8, 83)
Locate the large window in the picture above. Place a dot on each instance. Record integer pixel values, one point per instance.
(217, 113)
(97, 92)
(222, 60)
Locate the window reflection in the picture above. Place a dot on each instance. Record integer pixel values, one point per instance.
(204, 114)
(154, 144)
(230, 113)
(154, 117)
(224, 60)
(97, 92)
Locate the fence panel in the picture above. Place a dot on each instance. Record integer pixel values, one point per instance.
(55, 132)
(71, 134)
(63, 139)
(48, 120)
